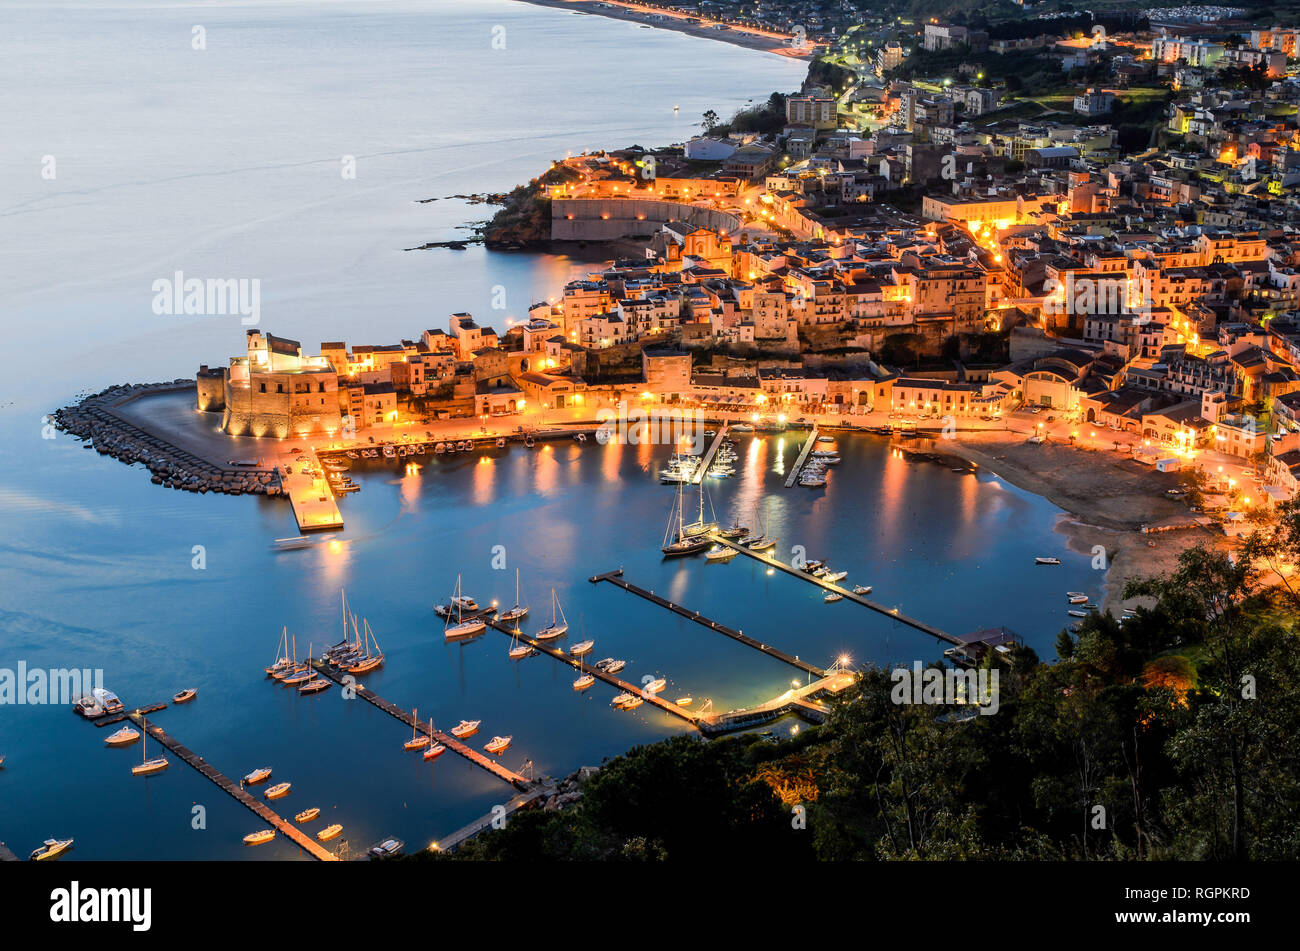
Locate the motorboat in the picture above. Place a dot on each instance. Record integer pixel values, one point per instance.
(278, 791)
(720, 553)
(621, 700)
(498, 744)
(257, 776)
(684, 701)
(329, 832)
(1047, 561)
(862, 589)
(1078, 599)
(307, 815)
(387, 848)
(107, 700)
(51, 849)
(259, 838)
(632, 704)
(465, 728)
(123, 737)
(832, 597)
(834, 576)
(185, 696)
(808, 567)
(87, 707)
(656, 685)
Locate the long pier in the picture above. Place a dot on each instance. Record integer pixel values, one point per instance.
(848, 595)
(446, 739)
(577, 664)
(224, 782)
(792, 701)
(707, 459)
(314, 506)
(616, 578)
(464, 833)
(6, 855)
(803, 457)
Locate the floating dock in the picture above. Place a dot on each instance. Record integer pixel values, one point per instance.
(803, 457)
(264, 812)
(616, 578)
(456, 746)
(703, 468)
(848, 595)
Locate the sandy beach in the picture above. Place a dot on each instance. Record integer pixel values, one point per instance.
(635, 13)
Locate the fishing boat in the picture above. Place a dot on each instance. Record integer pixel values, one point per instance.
(559, 625)
(720, 553)
(418, 740)
(185, 696)
(278, 791)
(307, 815)
(257, 776)
(656, 685)
(329, 832)
(123, 737)
(832, 597)
(465, 728)
(148, 767)
(519, 610)
(862, 589)
(259, 838)
(498, 744)
(1047, 561)
(51, 849)
(315, 686)
(462, 627)
(583, 682)
(582, 647)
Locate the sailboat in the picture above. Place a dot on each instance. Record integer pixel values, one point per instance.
(681, 543)
(760, 542)
(282, 661)
(700, 526)
(371, 660)
(148, 767)
(558, 627)
(519, 650)
(518, 610)
(437, 749)
(417, 740)
(461, 628)
(302, 672)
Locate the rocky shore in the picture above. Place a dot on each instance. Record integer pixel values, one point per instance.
(94, 421)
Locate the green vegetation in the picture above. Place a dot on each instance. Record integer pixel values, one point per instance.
(525, 219)
(1170, 736)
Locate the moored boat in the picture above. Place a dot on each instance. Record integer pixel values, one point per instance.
(582, 647)
(278, 791)
(51, 849)
(559, 625)
(148, 767)
(862, 589)
(465, 728)
(833, 596)
(257, 776)
(329, 832)
(434, 751)
(258, 838)
(583, 682)
(656, 685)
(307, 815)
(123, 737)
(185, 696)
(315, 686)
(498, 744)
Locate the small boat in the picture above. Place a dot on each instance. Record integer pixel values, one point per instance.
(307, 815)
(465, 728)
(418, 741)
(329, 832)
(684, 701)
(123, 737)
(498, 744)
(1047, 561)
(387, 848)
(832, 597)
(501, 442)
(520, 651)
(51, 849)
(462, 627)
(185, 696)
(742, 428)
(582, 647)
(1078, 599)
(559, 625)
(87, 707)
(434, 751)
(519, 610)
(257, 776)
(259, 838)
(315, 686)
(1075, 594)
(733, 532)
(762, 543)
(278, 791)
(1077, 613)
(655, 686)
(825, 438)
(622, 700)
(835, 576)
(862, 589)
(303, 674)
(528, 441)
(720, 553)
(583, 682)
(609, 665)
(632, 704)
(148, 767)
(810, 567)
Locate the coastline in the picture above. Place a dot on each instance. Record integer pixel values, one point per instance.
(629, 13)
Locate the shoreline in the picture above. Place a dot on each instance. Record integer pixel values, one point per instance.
(631, 13)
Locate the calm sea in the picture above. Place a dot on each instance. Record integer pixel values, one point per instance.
(130, 154)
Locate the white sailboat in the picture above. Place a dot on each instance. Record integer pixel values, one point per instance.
(148, 767)
(519, 610)
(461, 628)
(676, 541)
(559, 625)
(281, 654)
(418, 741)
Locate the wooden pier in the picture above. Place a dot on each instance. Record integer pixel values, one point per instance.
(803, 457)
(446, 739)
(6, 855)
(264, 812)
(796, 701)
(152, 708)
(577, 664)
(848, 595)
(616, 578)
(481, 824)
(707, 460)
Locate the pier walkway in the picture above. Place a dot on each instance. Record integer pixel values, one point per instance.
(616, 578)
(312, 499)
(848, 595)
(797, 701)
(702, 469)
(803, 457)
(6, 855)
(522, 801)
(577, 664)
(264, 812)
(446, 739)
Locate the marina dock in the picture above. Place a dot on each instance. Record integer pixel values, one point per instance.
(616, 578)
(803, 457)
(848, 595)
(314, 505)
(702, 469)
(577, 664)
(461, 835)
(456, 746)
(6, 855)
(797, 701)
(264, 812)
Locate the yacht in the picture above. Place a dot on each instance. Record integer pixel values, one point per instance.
(609, 665)
(1047, 561)
(87, 707)
(582, 647)
(123, 737)
(148, 767)
(315, 686)
(257, 776)
(307, 815)
(677, 539)
(622, 700)
(278, 791)
(559, 625)
(862, 589)
(519, 610)
(51, 849)
(520, 651)
(329, 832)
(583, 682)
(465, 728)
(418, 741)
(498, 744)
(107, 700)
(761, 543)
(734, 532)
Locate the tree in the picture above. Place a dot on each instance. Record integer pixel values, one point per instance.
(710, 121)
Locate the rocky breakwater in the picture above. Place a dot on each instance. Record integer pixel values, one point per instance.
(569, 790)
(95, 421)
